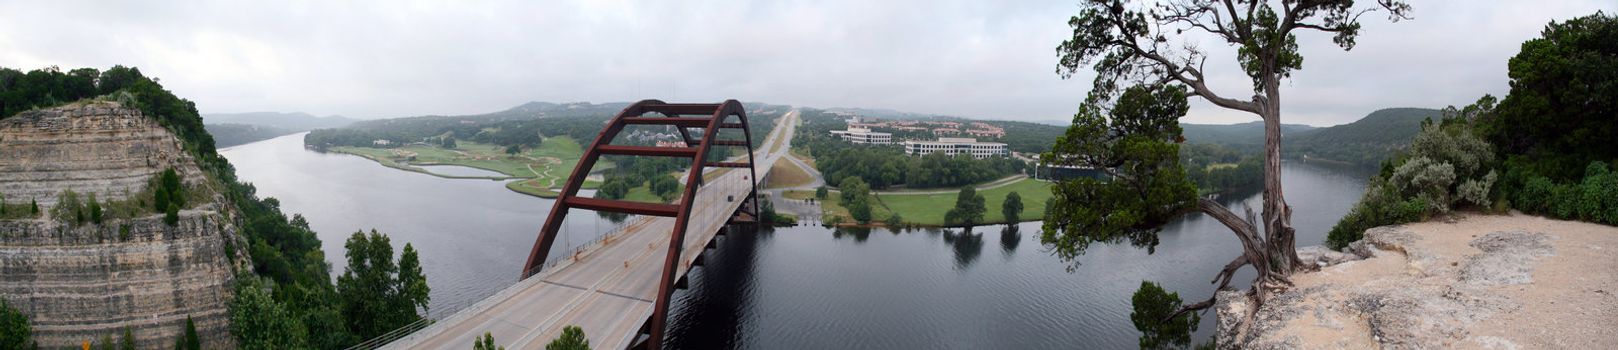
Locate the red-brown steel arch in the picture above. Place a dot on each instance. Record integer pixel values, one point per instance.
(714, 118)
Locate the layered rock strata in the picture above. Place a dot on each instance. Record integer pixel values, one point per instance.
(80, 282)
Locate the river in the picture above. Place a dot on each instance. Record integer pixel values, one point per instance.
(794, 287)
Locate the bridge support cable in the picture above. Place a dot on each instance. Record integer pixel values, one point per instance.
(711, 118)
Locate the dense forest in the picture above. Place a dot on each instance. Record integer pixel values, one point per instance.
(1546, 148)
(289, 300)
(226, 135)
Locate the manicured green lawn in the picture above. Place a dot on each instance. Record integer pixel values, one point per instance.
(929, 209)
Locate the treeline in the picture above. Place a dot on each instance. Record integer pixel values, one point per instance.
(398, 132)
(1217, 168)
(884, 167)
(49, 87)
(289, 301)
(1543, 149)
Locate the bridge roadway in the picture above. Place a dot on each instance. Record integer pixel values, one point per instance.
(607, 288)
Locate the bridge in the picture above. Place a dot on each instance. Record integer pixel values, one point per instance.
(617, 289)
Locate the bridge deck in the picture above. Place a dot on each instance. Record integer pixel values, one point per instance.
(607, 289)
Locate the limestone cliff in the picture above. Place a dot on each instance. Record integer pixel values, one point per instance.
(81, 281)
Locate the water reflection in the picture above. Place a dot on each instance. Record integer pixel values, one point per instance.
(966, 245)
(859, 234)
(1010, 237)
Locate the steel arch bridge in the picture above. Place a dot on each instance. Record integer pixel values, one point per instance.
(710, 119)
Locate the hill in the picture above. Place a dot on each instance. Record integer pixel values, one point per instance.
(290, 121)
(1250, 133)
(230, 129)
(1364, 142)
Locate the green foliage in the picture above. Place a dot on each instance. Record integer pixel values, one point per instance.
(167, 191)
(856, 196)
(127, 342)
(968, 210)
(188, 339)
(1594, 199)
(15, 333)
(260, 322)
(615, 187)
(1153, 306)
(1447, 165)
(513, 149)
(1560, 114)
(1135, 144)
(664, 186)
(448, 142)
(94, 209)
(1011, 208)
(33, 206)
(572, 338)
(378, 295)
(894, 221)
(172, 215)
(821, 193)
(883, 167)
(486, 343)
(69, 208)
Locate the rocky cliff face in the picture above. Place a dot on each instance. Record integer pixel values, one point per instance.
(79, 282)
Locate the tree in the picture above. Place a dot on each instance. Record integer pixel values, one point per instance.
(259, 322)
(449, 142)
(1161, 327)
(15, 333)
(1011, 208)
(95, 209)
(572, 339)
(1560, 114)
(33, 206)
(190, 338)
(127, 342)
(894, 221)
(172, 215)
(821, 192)
(413, 290)
(1147, 44)
(968, 210)
(513, 149)
(379, 295)
(486, 343)
(860, 209)
(664, 186)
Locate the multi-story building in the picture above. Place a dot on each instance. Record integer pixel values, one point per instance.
(957, 146)
(864, 136)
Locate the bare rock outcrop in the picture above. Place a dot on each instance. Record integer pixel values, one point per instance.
(1482, 281)
(79, 282)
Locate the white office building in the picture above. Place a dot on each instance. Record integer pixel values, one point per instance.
(957, 146)
(864, 136)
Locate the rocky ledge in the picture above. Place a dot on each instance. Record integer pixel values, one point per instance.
(80, 282)
(1476, 281)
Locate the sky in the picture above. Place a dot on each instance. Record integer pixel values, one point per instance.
(972, 58)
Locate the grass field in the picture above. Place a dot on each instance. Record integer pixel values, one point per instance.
(783, 174)
(929, 209)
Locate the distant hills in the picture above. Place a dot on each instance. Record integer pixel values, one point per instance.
(230, 129)
(1363, 142)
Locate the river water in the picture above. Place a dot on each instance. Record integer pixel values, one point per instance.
(794, 287)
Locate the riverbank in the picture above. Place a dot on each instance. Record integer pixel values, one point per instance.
(539, 171)
(1469, 281)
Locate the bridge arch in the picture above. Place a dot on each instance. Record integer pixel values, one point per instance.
(711, 118)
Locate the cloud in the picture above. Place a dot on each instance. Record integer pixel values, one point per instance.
(969, 58)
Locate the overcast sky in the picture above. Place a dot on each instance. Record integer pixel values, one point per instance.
(988, 59)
